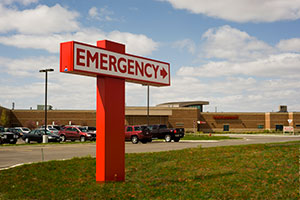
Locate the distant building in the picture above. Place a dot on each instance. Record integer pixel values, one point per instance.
(282, 108)
(42, 107)
(188, 115)
(187, 104)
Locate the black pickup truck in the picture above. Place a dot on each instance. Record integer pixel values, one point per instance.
(7, 137)
(160, 131)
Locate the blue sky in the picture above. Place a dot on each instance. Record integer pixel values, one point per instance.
(240, 55)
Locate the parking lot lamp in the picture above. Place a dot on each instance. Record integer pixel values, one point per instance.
(46, 80)
(147, 104)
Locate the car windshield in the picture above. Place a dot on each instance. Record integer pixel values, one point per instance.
(52, 129)
(137, 128)
(25, 129)
(48, 133)
(1, 129)
(83, 129)
(57, 127)
(92, 128)
(162, 126)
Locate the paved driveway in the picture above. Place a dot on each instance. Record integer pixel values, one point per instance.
(15, 155)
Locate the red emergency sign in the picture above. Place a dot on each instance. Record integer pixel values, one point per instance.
(85, 59)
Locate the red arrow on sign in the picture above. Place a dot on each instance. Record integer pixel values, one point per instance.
(163, 73)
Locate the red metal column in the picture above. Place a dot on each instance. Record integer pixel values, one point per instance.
(110, 118)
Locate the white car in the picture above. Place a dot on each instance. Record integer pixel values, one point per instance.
(22, 130)
(53, 130)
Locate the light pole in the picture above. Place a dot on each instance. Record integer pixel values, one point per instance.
(147, 104)
(46, 81)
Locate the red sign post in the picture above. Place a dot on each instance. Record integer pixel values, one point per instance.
(109, 63)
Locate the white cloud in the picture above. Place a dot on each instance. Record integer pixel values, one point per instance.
(242, 10)
(93, 12)
(24, 2)
(291, 45)
(40, 20)
(135, 43)
(232, 44)
(185, 44)
(271, 66)
(232, 94)
(27, 67)
(251, 76)
(64, 90)
(104, 14)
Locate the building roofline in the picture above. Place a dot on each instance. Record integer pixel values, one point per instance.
(185, 103)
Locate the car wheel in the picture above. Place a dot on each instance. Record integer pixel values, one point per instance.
(82, 139)
(27, 140)
(176, 139)
(150, 140)
(13, 142)
(63, 138)
(134, 139)
(168, 138)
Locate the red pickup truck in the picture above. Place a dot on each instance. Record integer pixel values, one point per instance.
(138, 133)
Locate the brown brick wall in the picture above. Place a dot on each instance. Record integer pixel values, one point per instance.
(296, 121)
(180, 117)
(278, 119)
(60, 117)
(141, 120)
(183, 117)
(240, 121)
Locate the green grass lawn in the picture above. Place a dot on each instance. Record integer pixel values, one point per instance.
(268, 171)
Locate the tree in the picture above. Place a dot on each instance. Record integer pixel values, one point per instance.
(4, 118)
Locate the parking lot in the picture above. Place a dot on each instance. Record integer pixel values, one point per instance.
(16, 155)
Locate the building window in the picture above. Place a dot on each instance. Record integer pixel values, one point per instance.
(260, 126)
(225, 127)
(278, 127)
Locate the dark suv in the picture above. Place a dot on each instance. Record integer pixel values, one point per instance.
(7, 137)
(138, 133)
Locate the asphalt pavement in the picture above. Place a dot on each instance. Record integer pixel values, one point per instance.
(11, 156)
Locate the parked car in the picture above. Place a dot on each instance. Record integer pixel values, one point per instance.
(53, 130)
(90, 128)
(22, 130)
(161, 131)
(57, 127)
(138, 133)
(15, 131)
(37, 136)
(7, 137)
(76, 133)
